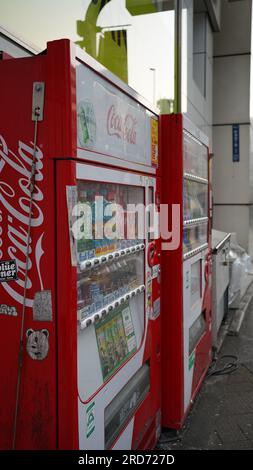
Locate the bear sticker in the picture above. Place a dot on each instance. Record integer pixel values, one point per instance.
(37, 344)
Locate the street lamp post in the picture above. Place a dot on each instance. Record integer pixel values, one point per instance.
(154, 83)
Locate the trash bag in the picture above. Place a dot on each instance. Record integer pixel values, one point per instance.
(241, 269)
(237, 273)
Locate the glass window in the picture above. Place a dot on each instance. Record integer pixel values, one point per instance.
(110, 279)
(108, 241)
(135, 40)
(195, 157)
(196, 331)
(132, 38)
(123, 405)
(100, 231)
(199, 49)
(195, 282)
(194, 237)
(195, 193)
(103, 285)
(195, 199)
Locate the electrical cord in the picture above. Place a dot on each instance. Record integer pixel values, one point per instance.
(23, 314)
(228, 368)
(215, 369)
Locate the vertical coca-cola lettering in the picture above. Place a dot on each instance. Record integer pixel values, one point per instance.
(129, 129)
(15, 171)
(124, 127)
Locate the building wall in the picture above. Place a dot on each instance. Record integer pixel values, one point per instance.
(232, 181)
(197, 66)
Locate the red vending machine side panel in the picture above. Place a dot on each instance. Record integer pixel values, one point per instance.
(27, 264)
(172, 274)
(62, 138)
(38, 88)
(186, 300)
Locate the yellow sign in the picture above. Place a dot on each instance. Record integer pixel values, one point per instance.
(154, 142)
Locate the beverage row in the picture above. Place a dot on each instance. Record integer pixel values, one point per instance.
(91, 248)
(120, 194)
(102, 224)
(103, 285)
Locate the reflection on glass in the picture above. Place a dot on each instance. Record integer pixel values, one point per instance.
(195, 199)
(195, 157)
(194, 237)
(96, 225)
(195, 193)
(129, 37)
(135, 40)
(196, 331)
(195, 282)
(124, 404)
(101, 286)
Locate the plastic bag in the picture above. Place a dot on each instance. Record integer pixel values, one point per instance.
(241, 270)
(237, 272)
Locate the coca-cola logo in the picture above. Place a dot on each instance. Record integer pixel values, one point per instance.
(124, 127)
(15, 173)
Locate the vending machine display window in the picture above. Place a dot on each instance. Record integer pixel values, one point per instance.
(123, 406)
(101, 286)
(196, 331)
(195, 200)
(111, 265)
(195, 157)
(102, 229)
(196, 282)
(151, 216)
(195, 236)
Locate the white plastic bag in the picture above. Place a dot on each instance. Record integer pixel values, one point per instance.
(241, 270)
(237, 273)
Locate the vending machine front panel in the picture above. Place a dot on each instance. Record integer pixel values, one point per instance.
(186, 312)
(113, 338)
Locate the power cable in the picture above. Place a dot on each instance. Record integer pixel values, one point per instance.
(228, 368)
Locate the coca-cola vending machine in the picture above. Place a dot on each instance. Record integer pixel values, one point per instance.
(186, 267)
(79, 257)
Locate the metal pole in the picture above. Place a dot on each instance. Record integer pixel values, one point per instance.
(178, 57)
(154, 84)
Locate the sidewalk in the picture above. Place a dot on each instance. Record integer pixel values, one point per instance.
(222, 415)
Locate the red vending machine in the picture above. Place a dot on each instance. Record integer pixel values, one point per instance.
(186, 268)
(80, 285)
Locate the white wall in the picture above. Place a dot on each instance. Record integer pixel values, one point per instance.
(197, 79)
(232, 181)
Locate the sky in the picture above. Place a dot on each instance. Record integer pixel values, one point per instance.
(150, 37)
(40, 21)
